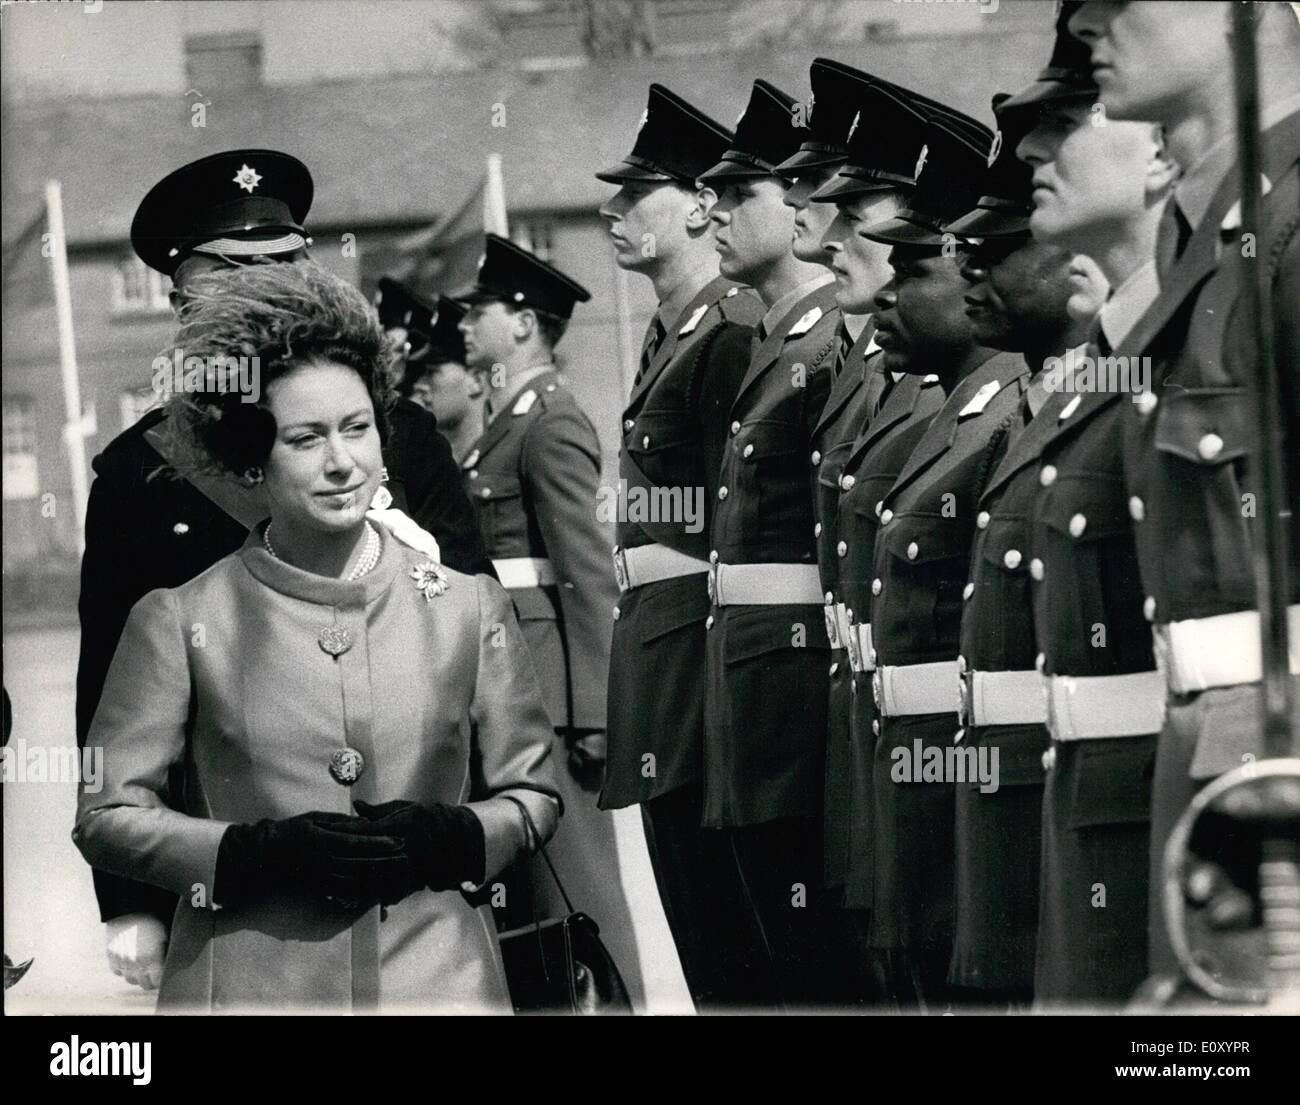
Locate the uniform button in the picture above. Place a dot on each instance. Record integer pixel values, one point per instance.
(842, 548)
(847, 482)
(1036, 568)
(872, 657)
(617, 613)
(722, 492)
(830, 596)
(1137, 509)
(1012, 558)
(886, 516)
(1149, 608)
(1146, 402)
(967, 591)
(708, 622)
(1049, 759)
(817, 529)
(645, 442)
(875, 726)
(816, 457)
(880, 505)
(876, 586)
(961, 665)
(748, 451)
(628, 423)
(932, 378)
(834, 668)
(473, 474)
(713, 557)
(735, 428)
(181, 529)
(1210, 446)
(486, 492)
(1040, 662)
(913, 550)
(1078, 523)
(1047, 476)
(982, 519)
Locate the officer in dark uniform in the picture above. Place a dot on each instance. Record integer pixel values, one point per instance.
(146, 529)
(1104, 696)
(921, 556)
(768, 653)
(674, 430)
(1017, 302)
(533, 476)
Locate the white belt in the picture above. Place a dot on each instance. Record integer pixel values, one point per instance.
(917, 689)
(1097, 706)
(765, 585)
(837, 623)
(1002, 698)
(524, 571)
(862, 656)
(650, 563)
(1221, 651)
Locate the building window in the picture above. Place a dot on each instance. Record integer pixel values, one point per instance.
(228, 60)
(135, 403)
(139, 290)
(19, 476)
(536, 237)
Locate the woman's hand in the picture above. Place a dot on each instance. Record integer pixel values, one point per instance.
(137, 944)
(445, 844)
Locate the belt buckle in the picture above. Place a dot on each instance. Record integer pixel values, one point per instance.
(878, 689)
(855, 650)
(620, 567)
(833, 626)
(713, 581)
(965, 698)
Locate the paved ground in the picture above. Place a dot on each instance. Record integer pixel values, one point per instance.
(49, 902)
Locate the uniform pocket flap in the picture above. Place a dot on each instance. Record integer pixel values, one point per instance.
(1020, 751)
(533, 604)
(1113, 783)
(1086, 509)
(668, 610)
(655, 431)
(924, 539)
(757, 632)
(1004, 544)
(492, 486)
(1205, 426)
(768, 439)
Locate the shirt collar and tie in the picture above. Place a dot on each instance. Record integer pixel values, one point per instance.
(786, 303)
(654, 341)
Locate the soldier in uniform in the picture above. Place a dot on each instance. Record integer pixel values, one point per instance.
(146, 529)
(768, 653)
(533, 476)
(921, 555)
(674, 429)
(1192, 462)
(1098, 191)
(1018, 298)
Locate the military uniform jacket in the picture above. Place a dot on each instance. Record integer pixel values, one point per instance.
(146, 529)
(877, 457)
(922, 562)
(1190, 457)
(674, 430)
(533, 478)
(765, 714)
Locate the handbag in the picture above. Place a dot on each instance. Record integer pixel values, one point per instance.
(560, 966)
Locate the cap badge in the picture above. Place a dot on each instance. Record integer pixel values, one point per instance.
(808, 110)
(853, 126)
(995, 149)
(920, 162)
(247, 178)
(645, 118)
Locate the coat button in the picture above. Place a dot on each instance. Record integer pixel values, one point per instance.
(1047, 476)
(1149, 608)
(886, 516)
(817, 529)
(842, 548)
(1040, 663)
(181, 529)
(816, 457)
(1078, 523)
(961, 665)
(1146, 402)
(982, 519)
(708, 622)
(847, 482)
(1137, 509)
(722, 492)
(473, 473)
(486, 492)
(1012, 558)
(1049, 759)
(830, 596)
(913, 551)
(347, 765)
(1210, 446)
(713, 557)
(735, 428)
(748, 451)
(877, 586)
(645, 442)
(875, 726)
(617, 613)
(628, 423)
(967, 591)
(1036, 568)
(834, 668)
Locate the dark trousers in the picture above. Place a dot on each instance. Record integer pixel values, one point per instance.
(718, 940)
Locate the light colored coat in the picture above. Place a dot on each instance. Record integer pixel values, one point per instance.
(224, 678)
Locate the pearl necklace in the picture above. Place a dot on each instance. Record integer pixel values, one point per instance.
(369, 555)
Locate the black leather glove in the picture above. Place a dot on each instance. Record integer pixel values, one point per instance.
(444, 844)
(587, 753)
(334, 856)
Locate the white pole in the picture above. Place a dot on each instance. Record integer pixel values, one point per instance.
(73, 430)
(494, 198)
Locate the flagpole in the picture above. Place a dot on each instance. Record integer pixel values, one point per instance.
(494, 198)
(73, 429)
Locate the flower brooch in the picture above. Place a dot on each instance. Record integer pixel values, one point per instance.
(430, 579)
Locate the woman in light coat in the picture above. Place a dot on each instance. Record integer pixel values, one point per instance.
(359, 729)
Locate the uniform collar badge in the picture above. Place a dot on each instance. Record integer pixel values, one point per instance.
(694, 320)
(525, 402)
(980, 399)
(806, 323)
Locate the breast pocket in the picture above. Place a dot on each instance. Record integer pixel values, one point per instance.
(771, 468)
(1002, 586)
(929, 562)
(661, 444)
(498, 503)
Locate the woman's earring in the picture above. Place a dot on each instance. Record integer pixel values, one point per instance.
(253, 476)
(383, 474)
